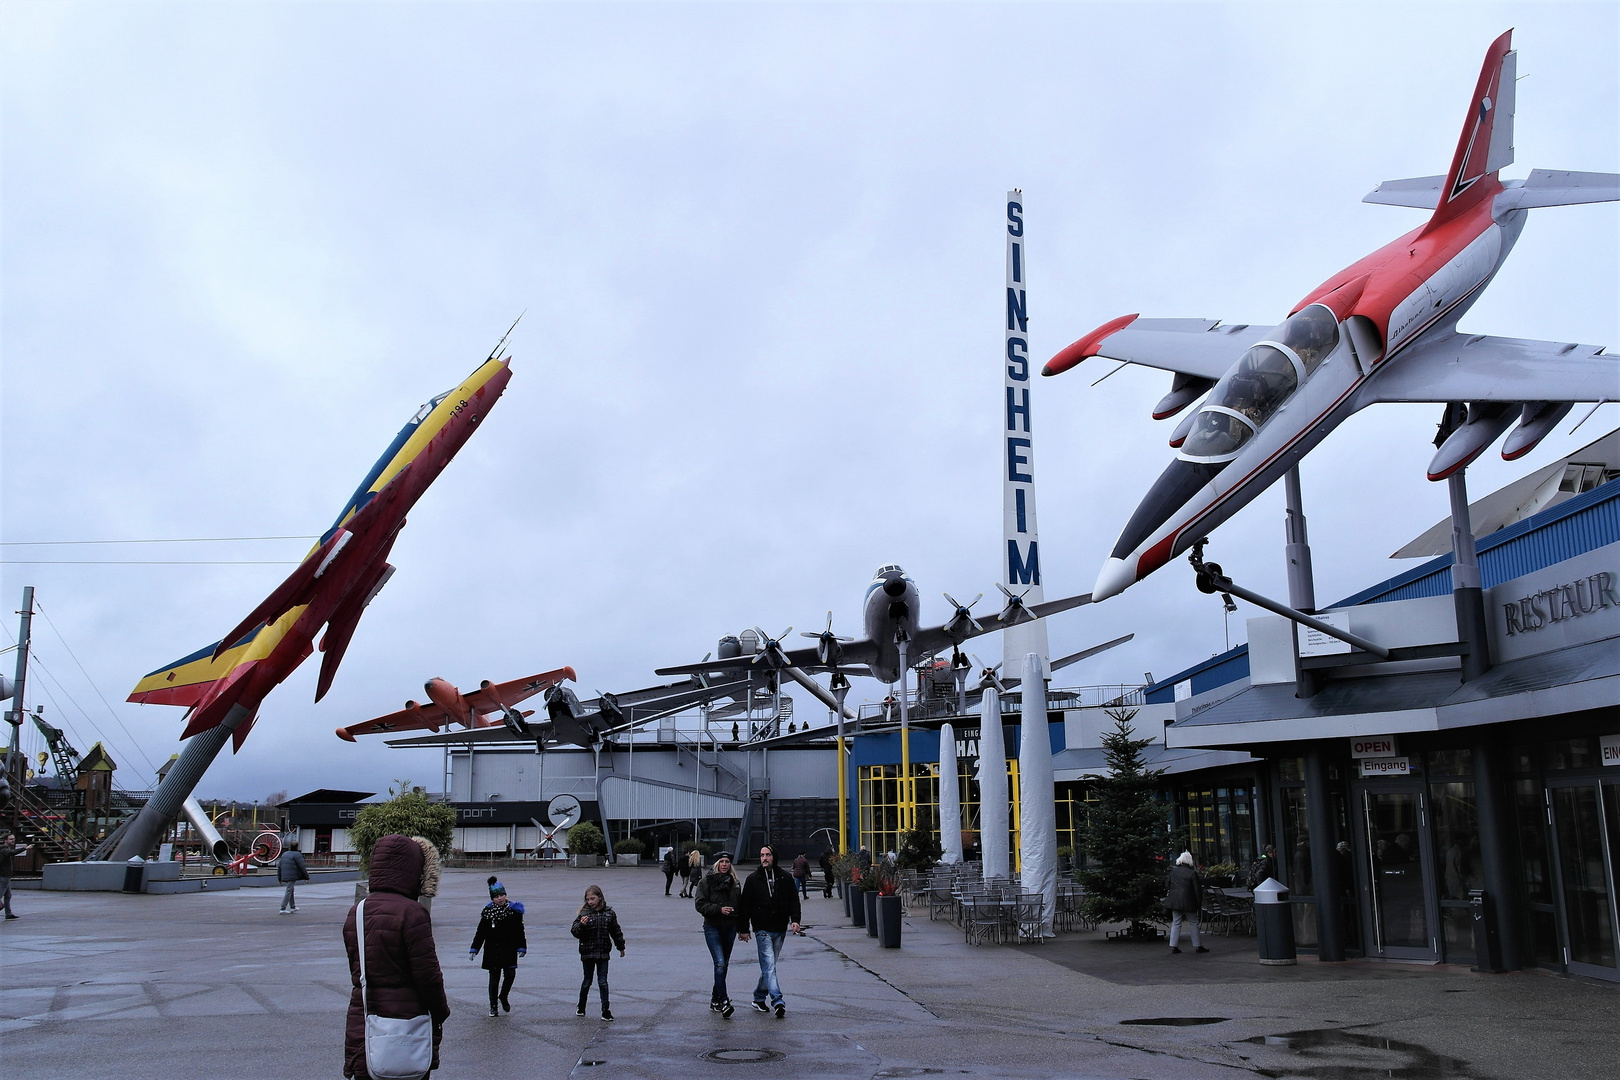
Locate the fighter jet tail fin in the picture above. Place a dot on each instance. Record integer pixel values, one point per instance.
(1486, 143)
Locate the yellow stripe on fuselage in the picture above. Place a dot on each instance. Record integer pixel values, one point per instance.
(450, 406)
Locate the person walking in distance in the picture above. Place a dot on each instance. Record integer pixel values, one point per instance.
(670, 865)
(1184, 898)
(801, 874)
(500, 935)
(402, 962)
(597, 928)
(7, 853)
(770, 908)
(718, 900)
(827, 873)
(694, 873)
(290, 870)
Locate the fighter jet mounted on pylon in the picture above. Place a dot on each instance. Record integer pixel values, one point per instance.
(224, 683)
(1383, 329)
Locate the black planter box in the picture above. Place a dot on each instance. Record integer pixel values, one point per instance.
(857, 907)
(871, 899)
(890, 910)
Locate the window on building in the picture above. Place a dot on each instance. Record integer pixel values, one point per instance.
(879, 794)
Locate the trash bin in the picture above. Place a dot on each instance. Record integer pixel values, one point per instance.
(135, 874)
(1274, 923)
(1487, 943)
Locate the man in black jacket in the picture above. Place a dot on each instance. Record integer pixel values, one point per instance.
(770, 906)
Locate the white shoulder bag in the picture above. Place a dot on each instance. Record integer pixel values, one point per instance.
(395, 1049)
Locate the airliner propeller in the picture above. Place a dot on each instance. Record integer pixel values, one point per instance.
(829, 646)
(988, 677)
(770, 648)
(1015, 611)
(957, 626)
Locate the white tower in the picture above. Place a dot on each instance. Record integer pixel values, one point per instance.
(1020, 554)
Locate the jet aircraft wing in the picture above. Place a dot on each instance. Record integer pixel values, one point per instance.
(1477, 367)
(1199, 348)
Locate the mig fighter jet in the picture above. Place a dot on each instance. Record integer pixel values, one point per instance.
(222, 685)
(1383, 329)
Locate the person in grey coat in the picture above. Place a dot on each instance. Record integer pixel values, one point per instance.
(1184, 898)
(290, 870)
(10, 851)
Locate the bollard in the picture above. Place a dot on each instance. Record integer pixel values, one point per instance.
(135, 874)
(1274, 923)
(1487, 945)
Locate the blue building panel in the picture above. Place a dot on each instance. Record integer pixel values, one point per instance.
(1584, 523)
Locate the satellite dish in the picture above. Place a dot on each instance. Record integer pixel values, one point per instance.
(562, 811)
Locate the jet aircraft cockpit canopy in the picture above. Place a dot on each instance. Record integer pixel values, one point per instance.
(1258, 384)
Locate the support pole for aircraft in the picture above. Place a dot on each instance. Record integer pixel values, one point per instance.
(214, 845)
(13, 764)
(1037, 799)
(908, 805)
(950, 797)
(1020, 540)
(169, 799)
(992, 787)
(1301, 581)
(840, 690)
(1466, 595)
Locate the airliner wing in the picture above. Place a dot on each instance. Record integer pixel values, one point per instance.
(490, 699)
(428, 716)
(939, 638)
(1200, 348)
(1477, 367)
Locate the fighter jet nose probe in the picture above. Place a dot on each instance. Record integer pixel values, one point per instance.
(1382, 329)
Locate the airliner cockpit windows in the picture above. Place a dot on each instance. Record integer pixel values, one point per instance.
(887, 569)
(1312, 333)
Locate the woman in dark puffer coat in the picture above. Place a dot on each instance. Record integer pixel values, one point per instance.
(402, 967)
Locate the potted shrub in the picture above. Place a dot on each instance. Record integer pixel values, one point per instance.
(629, 851)
(409, 813)
(890, 910)
(1065, 859)
(586, 845)
(856, 892)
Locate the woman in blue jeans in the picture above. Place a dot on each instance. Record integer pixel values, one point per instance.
(719, 901)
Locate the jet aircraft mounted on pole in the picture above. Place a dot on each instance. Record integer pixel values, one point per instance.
(1382, 329)
(221, 685)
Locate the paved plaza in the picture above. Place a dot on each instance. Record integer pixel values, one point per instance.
(217, 984)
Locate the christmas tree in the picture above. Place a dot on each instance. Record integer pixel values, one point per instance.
(1124, 836)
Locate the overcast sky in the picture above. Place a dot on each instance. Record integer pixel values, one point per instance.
(760, 249)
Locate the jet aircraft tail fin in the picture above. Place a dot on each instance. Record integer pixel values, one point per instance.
(1486, 143)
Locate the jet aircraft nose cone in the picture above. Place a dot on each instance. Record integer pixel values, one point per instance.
(1117, 575)
(895, 585)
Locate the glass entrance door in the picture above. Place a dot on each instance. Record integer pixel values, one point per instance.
(1586, 827)
(1398, 869)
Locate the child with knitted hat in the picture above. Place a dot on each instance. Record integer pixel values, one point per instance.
(500, 934)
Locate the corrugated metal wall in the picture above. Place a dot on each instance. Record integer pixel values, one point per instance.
(1584, 523)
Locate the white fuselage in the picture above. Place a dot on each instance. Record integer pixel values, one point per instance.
(889, 613)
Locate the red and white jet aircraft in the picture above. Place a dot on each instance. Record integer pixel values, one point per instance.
(1383, 329)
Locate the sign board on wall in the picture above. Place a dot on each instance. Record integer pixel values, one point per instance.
(1609, 748)
(1315, 643)
(1391, 766)
(1373, 746)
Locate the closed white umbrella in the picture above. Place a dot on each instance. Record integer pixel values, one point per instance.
(1037, 797)
(992, 787)
(950, 797)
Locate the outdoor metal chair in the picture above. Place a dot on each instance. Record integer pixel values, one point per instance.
(1030, 909)
(981, 920)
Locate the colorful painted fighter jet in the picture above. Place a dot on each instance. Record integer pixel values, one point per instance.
(1383, 329)
(491, 705)
(224, 683)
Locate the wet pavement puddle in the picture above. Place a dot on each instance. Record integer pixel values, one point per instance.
(1336, 1054)
(1178, 1021)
